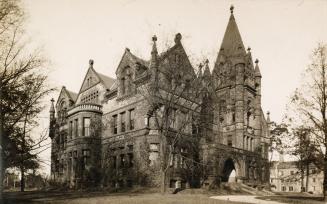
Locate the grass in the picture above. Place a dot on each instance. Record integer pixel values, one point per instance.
(139, 197)
(111, 198)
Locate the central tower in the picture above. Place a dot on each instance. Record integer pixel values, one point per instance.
(236, 84)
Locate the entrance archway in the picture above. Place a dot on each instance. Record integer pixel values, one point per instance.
(229, 171)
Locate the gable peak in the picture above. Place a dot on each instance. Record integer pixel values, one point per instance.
(91, 62)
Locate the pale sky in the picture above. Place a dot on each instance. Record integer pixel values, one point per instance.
(281, 33)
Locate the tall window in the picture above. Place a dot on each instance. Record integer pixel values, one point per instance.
(123, 81)
(86, 127)
(76, 127)
(70, 129)
(123, 121)
(114, 162)
(86, 157)
(131, 119)
(114, 124)
(251, 144)
(172, 116)
(154, 153)
(130, 159)
(122, 160)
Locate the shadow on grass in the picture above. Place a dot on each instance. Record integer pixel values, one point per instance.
(296, 198)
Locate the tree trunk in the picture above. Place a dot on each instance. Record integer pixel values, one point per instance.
(22, 180)
(325, 178)
(22, 170)
(163, 169)
(302, 180)
(1, 141)
(307, 177)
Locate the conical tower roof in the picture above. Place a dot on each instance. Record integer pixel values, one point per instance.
(232, 42)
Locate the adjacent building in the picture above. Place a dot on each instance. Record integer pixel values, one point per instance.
(164, 115)
(287, 177)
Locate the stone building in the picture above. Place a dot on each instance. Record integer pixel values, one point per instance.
(286, 177)
(160, 115)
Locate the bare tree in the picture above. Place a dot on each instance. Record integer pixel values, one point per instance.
(22, 88)
(310, 103)
(174, 98)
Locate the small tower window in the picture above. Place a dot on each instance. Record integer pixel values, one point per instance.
(230, 140)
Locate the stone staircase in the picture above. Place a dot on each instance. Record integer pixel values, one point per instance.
(226, 189)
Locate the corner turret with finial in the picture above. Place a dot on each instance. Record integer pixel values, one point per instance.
(257, 72)
(206, 73)
(154, 50)
(268, 117)
(52, 110)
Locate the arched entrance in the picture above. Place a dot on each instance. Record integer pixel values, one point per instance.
(229, 171)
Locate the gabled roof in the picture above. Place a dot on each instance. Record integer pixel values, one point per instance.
(128, 56)
(70, 94)
(107, 81)
(178, 47)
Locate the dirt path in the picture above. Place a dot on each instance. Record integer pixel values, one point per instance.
(245, 198)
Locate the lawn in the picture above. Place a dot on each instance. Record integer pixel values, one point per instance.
(111, 198)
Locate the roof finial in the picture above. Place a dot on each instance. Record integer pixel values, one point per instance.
(268, 117)
(154, 46)
(154, 38)
(178, 38)
(231, 9)
(91, 62)
(256, 61)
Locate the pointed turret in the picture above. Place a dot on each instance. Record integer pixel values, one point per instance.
(268, 117)
(154, 60)
(52, 119)
(232, 42)
(249, 58)
(52, 110)
(200, 71)
(206, 73)
(154, 51)
(257, 72)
